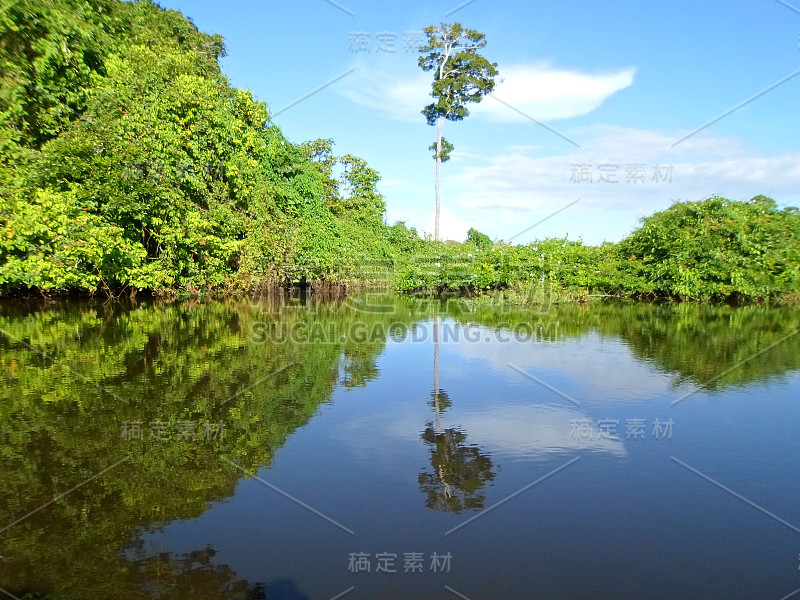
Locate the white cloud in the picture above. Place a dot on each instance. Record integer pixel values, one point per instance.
(512, 190)
(538, 90)
(399, 96)
(548, 94)
(502, 192)
(509, 430)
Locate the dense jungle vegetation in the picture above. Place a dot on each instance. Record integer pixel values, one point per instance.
(129, 163)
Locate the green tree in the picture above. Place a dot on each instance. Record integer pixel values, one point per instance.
(460, 76)
(360, 199)
(128, 161)
(48, 59)
(320, 152)
(443, 148)
(481, 240)
(403, 238)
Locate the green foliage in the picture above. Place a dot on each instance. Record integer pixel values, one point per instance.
(445, 151)
(50, 55)
(481, 240)
(128, 161)
(51, 242)
(404, 239)
(533, 271)
(320, 152)
(360, 201)
(716, 249)
(460, 74)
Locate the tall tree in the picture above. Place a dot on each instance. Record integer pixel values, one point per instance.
(460, 75)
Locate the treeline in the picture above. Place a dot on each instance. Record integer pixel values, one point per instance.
(128, 162)
(716, 249)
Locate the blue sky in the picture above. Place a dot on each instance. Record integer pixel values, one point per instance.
(618, 85)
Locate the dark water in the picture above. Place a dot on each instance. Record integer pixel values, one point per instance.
(280, 449)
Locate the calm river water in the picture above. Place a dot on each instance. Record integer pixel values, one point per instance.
(398, 449)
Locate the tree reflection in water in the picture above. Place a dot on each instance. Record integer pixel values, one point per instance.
(460, 471)
(191, 575)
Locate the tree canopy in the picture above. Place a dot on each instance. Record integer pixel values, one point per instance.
(129, 162)
(460, 74)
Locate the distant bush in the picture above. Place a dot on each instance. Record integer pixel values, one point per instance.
(716, 249)
(481, 240)
(465, 267)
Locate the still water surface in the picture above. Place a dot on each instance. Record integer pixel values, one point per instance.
(392, 448)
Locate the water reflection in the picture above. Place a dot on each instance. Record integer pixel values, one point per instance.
(191, 575)
(460, 471)
(72, 374)
(713, 347)
(537, 432)
(74, 378)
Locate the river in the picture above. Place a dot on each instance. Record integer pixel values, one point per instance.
(385, 447)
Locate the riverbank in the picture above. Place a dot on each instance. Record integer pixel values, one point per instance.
(147, 173)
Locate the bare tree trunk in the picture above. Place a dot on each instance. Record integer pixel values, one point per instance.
(439, 124)
(436, 410)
